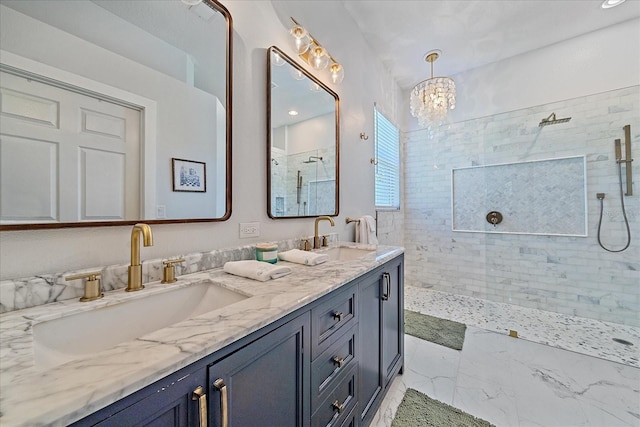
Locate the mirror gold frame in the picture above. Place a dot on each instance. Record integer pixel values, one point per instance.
(301, 94)
(228, 61)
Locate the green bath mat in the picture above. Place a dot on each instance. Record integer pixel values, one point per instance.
(417, 409)
(440, 331)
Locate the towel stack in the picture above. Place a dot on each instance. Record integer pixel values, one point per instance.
(303, 257)
(366, 230)
(256, 270)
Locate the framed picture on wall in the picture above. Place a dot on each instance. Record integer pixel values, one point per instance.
(189, 175)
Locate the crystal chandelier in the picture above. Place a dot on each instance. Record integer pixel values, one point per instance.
(431, 98)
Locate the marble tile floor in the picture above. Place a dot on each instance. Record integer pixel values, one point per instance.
(518, 382)
(511, 382)
(585, 336)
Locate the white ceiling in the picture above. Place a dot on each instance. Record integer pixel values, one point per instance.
(472, 33)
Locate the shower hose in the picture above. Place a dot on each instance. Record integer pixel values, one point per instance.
(624, 214)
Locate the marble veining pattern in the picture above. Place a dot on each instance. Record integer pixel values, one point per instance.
(30, 395)
(17, 294)
(535, 197)
(511, 383)
(581, 335)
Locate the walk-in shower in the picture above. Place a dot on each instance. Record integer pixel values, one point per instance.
(627, 161)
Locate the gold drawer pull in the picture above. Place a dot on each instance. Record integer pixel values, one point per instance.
(337, 315)
(201, 397)
(337, 360)
(337, 406)
(224, 414)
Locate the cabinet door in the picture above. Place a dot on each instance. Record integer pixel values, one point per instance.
(382, 334)
(371, 381)
(392, 319)
(265, 383)
(172, 404)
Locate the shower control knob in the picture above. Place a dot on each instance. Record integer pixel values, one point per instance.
(494, 217)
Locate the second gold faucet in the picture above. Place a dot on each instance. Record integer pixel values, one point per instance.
(316, 238)
(135, 269)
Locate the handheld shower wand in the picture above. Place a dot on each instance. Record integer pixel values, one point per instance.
(600, 196)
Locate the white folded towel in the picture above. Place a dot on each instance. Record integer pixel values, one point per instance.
(303, 257)
(256, 270)
(366, 230)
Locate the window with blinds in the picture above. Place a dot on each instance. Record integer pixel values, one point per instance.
(387, 148)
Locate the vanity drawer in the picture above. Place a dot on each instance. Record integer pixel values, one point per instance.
(351, 420)
(335, 314)
(331, 366)
(339, 402)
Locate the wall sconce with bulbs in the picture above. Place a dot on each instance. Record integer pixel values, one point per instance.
(314, 54)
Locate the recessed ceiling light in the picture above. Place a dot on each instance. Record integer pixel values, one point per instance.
(608, 4)
(293, 113)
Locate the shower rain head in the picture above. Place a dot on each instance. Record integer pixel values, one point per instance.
(312, 159)
(551, 120)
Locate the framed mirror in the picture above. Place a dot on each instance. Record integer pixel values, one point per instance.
(114, 112)
(303, 142)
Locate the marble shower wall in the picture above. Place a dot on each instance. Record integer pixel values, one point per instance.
(318, 178)
(540, 197)
(570, 275)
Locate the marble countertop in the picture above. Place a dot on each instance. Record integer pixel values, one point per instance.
(32, 395)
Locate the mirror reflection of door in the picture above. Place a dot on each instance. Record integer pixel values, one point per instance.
(303, 142)
(169, 60)
(66, 156)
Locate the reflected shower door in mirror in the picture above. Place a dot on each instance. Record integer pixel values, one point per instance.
(98, 99)
(303, 142)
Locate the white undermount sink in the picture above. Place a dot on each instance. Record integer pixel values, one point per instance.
(343, 253)
(67, 338)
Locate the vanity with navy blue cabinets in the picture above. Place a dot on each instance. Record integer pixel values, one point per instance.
(329, 363)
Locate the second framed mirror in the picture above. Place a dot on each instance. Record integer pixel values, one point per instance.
(303, 142)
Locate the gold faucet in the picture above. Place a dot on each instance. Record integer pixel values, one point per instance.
(316, 238)
(135, 269)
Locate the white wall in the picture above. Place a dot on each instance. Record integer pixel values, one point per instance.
(308, 135)
(257, 25)
(593, 79)
(593, 63)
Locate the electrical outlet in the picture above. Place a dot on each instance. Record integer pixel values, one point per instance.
(161, 211)
(249, 229)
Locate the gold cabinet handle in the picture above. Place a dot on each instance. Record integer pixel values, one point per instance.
(224, 414)
(339, 361)
(337, 315)
(337, 406)
(201, 397)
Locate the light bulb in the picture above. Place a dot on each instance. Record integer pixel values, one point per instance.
(318, 58)
(296, 74)
(301, 38)
(313, 86)
(277, 59)
(336, 72)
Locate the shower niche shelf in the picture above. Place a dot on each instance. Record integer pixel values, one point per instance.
(545, 197)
